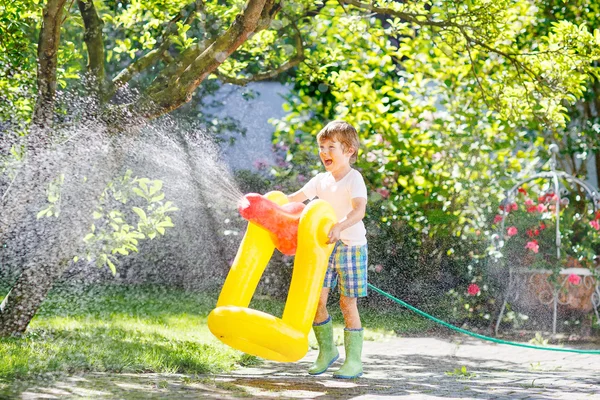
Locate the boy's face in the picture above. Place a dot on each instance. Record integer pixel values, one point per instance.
(333, 156)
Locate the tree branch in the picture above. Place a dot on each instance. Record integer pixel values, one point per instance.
(138, 66)
(157, 53)
(262, 76)
(176, 90)
(420, 19)
(292, 62)
(425, 20)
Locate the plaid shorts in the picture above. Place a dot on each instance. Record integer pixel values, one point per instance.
(349, 263)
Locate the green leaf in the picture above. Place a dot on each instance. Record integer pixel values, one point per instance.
(166, 224)
(112, 267)
(139, 192)
(156, 186)
(157, 198)
(144, 184)
(140, 213)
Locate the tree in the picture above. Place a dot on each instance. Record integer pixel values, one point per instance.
(453, 101)
(188, 70)
(384, 76)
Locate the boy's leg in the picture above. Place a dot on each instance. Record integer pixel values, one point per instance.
(323, 326)
(349, 309)
(328, 352)
(322, 313)
(352, 270)
(353, 340)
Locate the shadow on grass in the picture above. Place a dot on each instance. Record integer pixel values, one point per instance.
(105, 349)
(117, 329)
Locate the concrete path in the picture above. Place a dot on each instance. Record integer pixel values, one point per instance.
(423, 368)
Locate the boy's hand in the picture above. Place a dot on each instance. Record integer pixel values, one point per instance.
(334, 234)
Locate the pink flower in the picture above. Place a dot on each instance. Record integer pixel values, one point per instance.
(529, 233)
(511, 231)
(473, 289)
(529, 202)
(547, 198)
(542, 208)
(378, 268)
(595, 224)
(574, 279)
(497, 218)
(533, 246)
(508, 207)
(383, 192)
(260, 164)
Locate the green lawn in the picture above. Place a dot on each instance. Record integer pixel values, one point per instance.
(146, 329)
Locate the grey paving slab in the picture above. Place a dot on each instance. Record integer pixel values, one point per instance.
(395, 368)
(432, 368)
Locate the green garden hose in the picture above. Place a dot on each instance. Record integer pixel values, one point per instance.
(478, 336)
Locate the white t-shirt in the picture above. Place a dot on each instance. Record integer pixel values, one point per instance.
(339, 195)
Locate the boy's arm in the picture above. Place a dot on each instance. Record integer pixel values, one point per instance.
(359, 207)
(299, 197)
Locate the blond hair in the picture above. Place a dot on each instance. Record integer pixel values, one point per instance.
(344, 133)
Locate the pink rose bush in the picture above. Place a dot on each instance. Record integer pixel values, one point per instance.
(529, 234)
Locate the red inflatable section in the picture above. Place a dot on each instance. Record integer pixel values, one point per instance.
(281, 221)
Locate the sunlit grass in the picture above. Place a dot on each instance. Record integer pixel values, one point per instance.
(147, 329)
(118, 329)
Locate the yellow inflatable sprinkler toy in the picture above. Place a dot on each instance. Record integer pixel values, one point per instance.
(292, 228)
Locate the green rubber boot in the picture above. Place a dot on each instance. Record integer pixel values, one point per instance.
(328, 353)
(352, 368)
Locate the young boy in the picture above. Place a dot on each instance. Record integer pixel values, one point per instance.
(344, 188)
